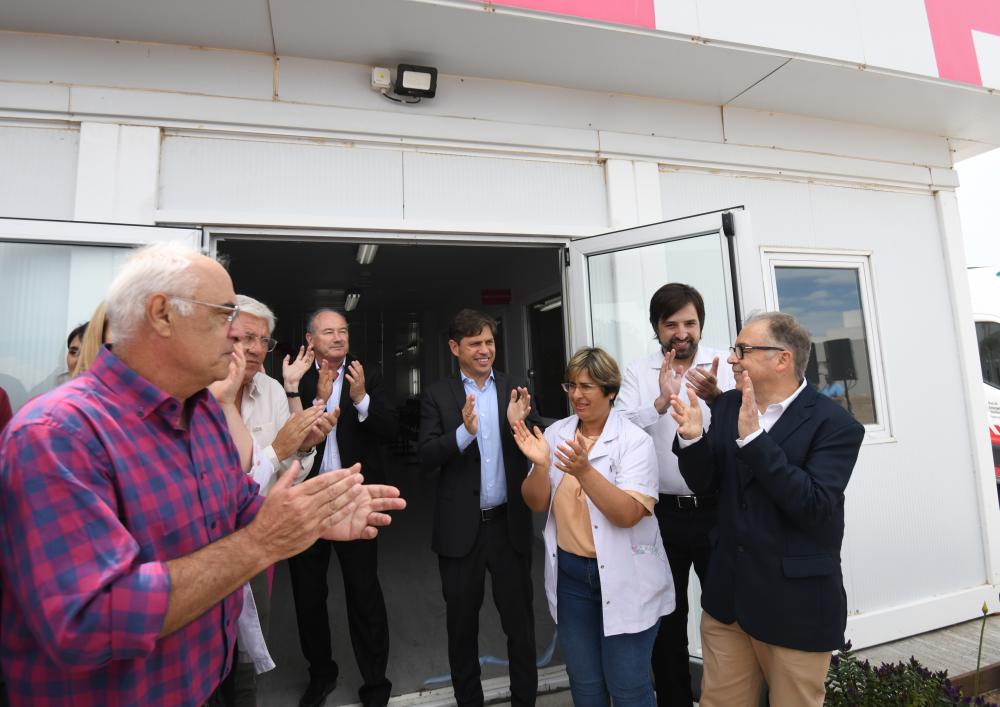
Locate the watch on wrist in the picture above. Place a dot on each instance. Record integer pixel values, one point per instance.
(289, 394)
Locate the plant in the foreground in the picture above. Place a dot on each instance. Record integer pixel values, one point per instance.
(854, 683)
(979, 658)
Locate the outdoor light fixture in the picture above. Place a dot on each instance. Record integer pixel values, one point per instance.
(413, 83)
(416, 81)
(351, 299)
(366, 253)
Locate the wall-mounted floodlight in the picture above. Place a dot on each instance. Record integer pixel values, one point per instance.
(351, 300)
(366, 253)
(416, 81)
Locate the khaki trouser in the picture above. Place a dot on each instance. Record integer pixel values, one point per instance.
(735, 664)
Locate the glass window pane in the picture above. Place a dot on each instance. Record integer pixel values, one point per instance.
(988, 334)
(621, 283)
(827, 301)
(45, 291)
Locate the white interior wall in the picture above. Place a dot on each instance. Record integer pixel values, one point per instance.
(291, 177)
(38, 174)
(336, 181)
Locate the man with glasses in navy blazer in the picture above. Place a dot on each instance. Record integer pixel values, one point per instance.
(781, 455)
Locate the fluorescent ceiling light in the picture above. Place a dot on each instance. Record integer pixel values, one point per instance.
(549, 304)
(351, 300)
(366, 253)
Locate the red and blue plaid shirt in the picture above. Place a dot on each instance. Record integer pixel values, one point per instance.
(100, 485)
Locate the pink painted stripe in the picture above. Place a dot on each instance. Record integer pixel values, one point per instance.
(638, 13)
(951, 23)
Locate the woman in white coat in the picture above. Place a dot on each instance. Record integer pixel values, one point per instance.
(607, 579)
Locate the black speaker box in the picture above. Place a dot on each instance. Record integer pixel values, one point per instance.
(840, 360)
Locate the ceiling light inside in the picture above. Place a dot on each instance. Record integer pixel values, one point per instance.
(366, 253)
(549, 304)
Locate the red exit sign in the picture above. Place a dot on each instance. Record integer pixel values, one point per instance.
(494, 296)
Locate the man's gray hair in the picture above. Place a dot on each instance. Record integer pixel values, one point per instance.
(163, 267)
(256, 308)
(311, 322)
(787, 333)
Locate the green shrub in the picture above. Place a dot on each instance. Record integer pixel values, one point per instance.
(853, 683)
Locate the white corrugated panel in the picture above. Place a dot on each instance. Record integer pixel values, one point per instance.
(253, 176)
(913, 528)
(38, 177)
(473, 189)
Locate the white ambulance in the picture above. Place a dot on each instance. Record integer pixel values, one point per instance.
(984, 284)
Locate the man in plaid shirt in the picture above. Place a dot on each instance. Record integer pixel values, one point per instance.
(128, 526)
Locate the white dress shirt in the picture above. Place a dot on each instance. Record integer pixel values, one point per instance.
(264, 410)
(770, 416)
(641, 387)
(249, 635)
(331, 453)
(766, 419)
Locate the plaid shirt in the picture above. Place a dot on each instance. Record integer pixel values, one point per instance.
(99, 487)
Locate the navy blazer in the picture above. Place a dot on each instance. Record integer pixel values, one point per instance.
(456, 508)
(357, 441)
(775, 565)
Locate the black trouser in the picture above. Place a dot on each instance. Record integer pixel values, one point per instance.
(685, 539)
(366, 615)
(245, 674)
(463, 581)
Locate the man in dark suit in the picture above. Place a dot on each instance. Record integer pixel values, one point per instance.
(367, 422)
(480, 519)
(781, 454)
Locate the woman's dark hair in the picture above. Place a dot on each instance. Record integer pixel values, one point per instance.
(469, 322)
(79, 331)
(672, 297)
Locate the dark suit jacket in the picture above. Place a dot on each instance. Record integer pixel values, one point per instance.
(775, 565)
(357, 441)
(456, 510)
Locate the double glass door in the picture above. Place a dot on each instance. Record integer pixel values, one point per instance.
(611, 278)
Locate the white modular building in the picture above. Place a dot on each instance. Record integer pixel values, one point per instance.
(576, 156)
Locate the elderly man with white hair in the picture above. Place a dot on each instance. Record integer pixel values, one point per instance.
(267, 406)
(127, 527)
(283, 438)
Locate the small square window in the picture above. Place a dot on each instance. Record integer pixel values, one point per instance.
(830, 294)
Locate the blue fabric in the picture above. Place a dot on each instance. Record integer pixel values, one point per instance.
(600, 667)
(493, 491)
(775, 564)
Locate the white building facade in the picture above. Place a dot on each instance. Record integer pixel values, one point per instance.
(776, 154)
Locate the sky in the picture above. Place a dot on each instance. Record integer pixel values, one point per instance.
(978, 196)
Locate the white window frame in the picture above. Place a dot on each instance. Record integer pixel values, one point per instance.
(859, 261)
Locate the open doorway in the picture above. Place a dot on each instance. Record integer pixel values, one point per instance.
(404, 296)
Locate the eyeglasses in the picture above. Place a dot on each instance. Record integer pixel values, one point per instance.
(233, 309)
(741, 350)
(265, 341)
(585, 388)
